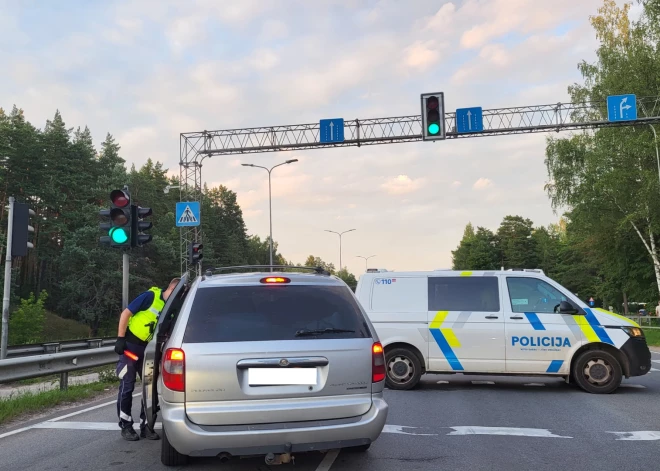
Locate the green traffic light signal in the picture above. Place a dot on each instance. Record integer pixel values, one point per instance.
(118, 235)
(434, 128)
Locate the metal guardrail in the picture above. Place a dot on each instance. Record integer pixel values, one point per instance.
(56, 347)
(35, 366)
(645, 321)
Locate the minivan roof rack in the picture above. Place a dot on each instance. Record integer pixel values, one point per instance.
(266, 268)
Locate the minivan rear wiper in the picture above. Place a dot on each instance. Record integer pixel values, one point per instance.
(305, 332)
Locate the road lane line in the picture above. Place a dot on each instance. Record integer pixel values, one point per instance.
(398, 429)
(643, 435)
(89, 409)
(14, 432)
(655, 361)
(41, 424)
(483, 382)
(328, 459)
(535, 384)
(636, 386)
(96, 426)
(510, 431)
(443, 382)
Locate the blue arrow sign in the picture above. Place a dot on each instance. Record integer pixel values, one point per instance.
(469, 120)
(621, 107)
(331, 130)
(187, 213)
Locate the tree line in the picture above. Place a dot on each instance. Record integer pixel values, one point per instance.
(607, 242)
(62, 176)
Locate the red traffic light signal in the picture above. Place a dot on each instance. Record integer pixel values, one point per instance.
(195, 253)
(120, 198)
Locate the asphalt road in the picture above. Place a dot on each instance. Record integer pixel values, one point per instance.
(450, 422)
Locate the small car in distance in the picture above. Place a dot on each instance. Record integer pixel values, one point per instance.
(264, 363)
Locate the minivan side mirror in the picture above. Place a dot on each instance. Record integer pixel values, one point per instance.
(567, 308)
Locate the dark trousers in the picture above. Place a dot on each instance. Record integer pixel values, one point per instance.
(127, 371)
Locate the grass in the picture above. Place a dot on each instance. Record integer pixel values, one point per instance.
(26, 403)
(57, 328)
(652, 337)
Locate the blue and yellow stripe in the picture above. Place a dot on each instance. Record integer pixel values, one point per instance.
(446, 340)
(591, 328)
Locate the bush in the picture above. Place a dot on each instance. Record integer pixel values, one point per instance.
(109, 375)
(26, 324)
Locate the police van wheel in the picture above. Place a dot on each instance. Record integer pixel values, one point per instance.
(168, 455)
(403, 369)
(597, 372)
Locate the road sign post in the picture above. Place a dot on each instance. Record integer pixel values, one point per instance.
(622, 107)
(4, 340)
(469, 120)
(331, 130)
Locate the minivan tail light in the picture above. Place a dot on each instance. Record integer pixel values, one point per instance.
(174, 369)
(377, 363)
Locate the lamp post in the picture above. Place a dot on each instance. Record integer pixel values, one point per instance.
(340, 234)
(366, 259)
(270, 201)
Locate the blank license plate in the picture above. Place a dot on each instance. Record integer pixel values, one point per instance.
(281, 376)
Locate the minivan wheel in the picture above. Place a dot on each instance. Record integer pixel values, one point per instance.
(403, 369)
(168, 455)
(597, 372)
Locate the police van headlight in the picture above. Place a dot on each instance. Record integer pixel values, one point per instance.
(633, 331)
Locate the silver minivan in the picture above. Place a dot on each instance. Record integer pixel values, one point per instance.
(263, 363)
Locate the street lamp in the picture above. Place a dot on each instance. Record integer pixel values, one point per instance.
(340, 234)
(366, 259)
(270, 201)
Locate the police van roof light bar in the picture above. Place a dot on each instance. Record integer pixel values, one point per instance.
(264, 268)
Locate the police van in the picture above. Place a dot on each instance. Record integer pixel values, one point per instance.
(513, 322)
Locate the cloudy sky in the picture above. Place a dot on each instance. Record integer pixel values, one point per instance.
(146, 71)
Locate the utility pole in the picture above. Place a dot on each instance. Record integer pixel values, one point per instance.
(7, 289)
(340, 234)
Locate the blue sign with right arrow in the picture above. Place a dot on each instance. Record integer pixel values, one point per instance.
(469, 120)
(622, 107)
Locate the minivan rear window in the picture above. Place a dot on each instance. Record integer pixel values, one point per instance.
(265, 313)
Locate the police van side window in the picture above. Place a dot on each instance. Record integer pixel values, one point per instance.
(533, 295)
(453, 293)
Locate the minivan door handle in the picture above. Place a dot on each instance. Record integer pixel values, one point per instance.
(516, 317)
(492, 317)
(308, 362)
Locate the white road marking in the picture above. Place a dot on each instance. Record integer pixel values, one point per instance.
(328, 459)
(51, 421)
(655, 361)
(399, 430)
(654, 369)
(511, 431)
(535, 384)
(640, 435)
(636, 386)
(443, 382)
(483, 382)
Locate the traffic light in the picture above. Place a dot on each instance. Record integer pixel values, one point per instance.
(21, 229)
(195, 253)
(138, 239)
(119, 227)
(433, 116)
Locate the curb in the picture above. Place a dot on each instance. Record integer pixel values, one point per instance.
(654, 349)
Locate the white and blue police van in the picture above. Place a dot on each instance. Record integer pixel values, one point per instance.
(513, 322)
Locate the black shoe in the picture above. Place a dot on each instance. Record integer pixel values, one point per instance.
(129, 434)
(149, 434)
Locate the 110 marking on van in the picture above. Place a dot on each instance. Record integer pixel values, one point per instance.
(385, 281)
(541, 341)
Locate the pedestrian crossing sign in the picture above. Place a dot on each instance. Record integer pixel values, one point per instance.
(187, 213)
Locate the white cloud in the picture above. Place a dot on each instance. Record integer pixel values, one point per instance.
(456, 184)
(402, 185)
(482, 184)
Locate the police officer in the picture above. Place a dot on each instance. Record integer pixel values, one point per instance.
(136, 328)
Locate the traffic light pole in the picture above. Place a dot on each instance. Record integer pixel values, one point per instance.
(124, 290)
(7, 290)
